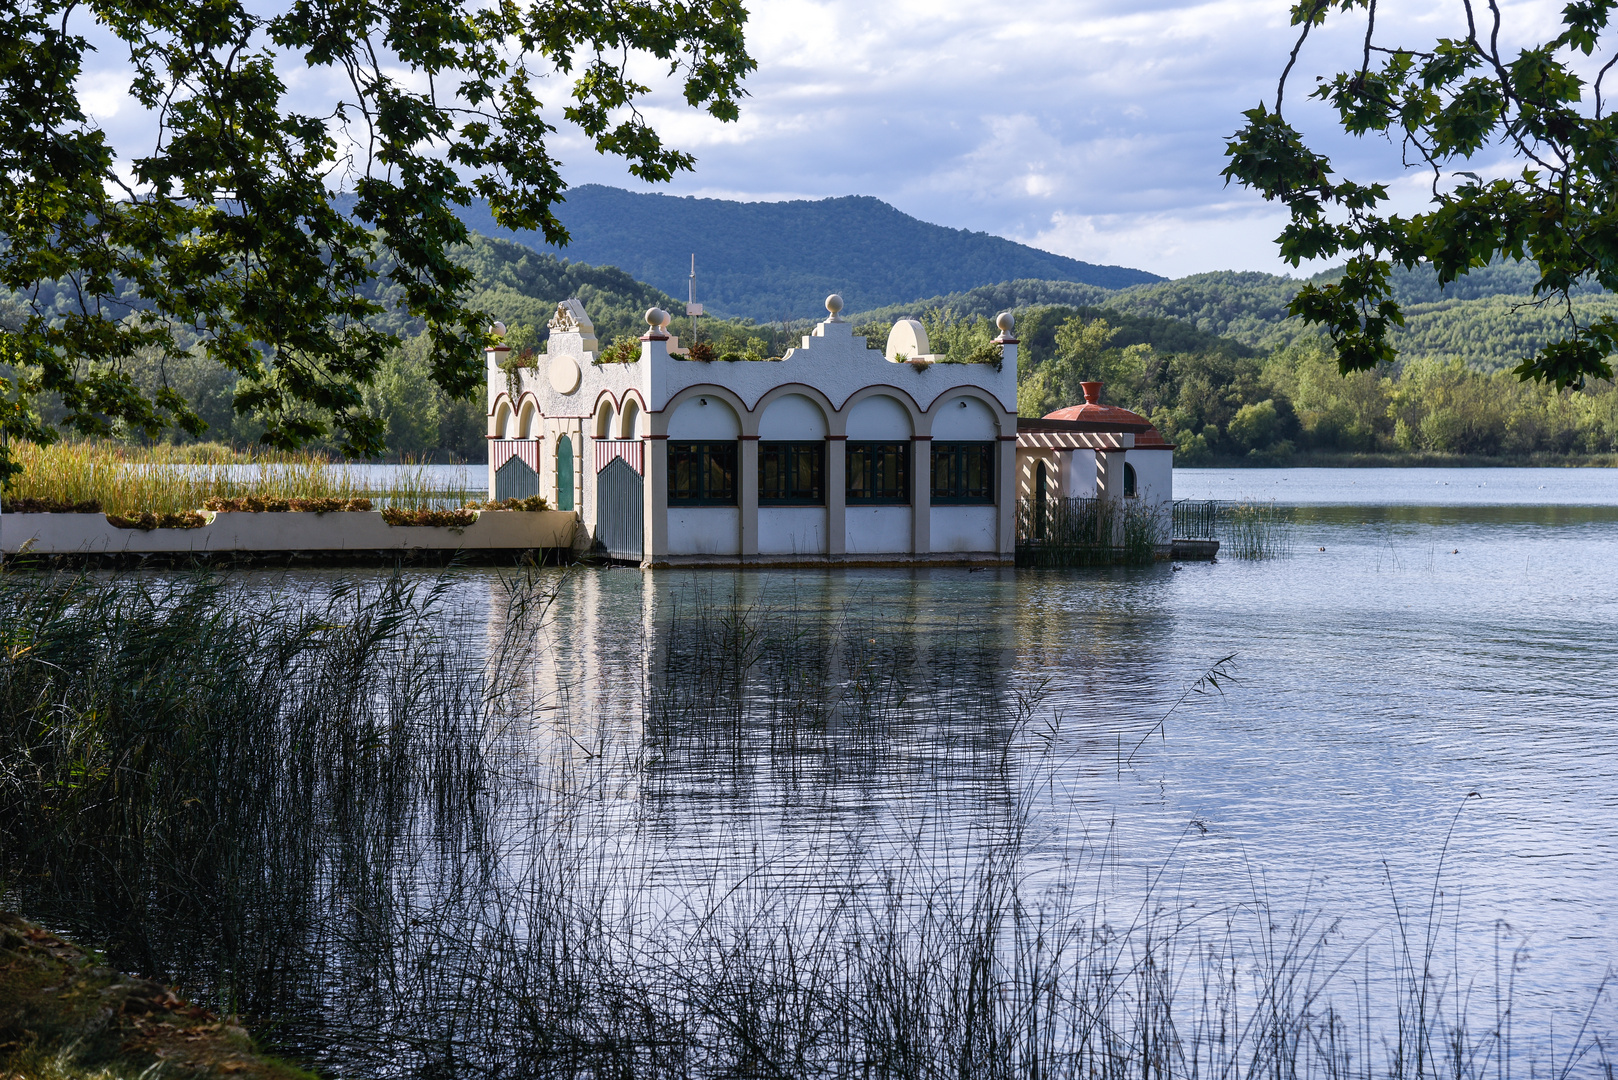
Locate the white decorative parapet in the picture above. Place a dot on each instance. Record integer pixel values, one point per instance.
(92, 534)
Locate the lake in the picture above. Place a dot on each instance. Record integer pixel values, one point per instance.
(1401, 658)
(1422, 714)
(1412, 733)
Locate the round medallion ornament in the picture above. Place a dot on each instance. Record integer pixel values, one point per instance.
(565, 374)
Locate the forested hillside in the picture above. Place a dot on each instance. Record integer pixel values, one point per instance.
(1211, 359)
(777, 261)
(1487, 320)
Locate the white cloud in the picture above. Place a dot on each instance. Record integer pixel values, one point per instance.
(1095, 128)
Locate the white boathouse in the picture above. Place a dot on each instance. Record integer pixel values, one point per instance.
(837, 453)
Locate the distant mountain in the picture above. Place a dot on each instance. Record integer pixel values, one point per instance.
(775, 261)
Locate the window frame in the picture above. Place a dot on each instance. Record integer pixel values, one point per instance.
(906, 452)
(703, 451)
(1131, 482)
(812, 495)
(958, 451)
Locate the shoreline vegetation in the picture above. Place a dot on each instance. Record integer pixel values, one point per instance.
(170, 483)
(66, 1015)
(1213, 361)
(1415, 460)
(361, 816)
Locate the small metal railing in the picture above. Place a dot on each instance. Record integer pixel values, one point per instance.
(1196, 519)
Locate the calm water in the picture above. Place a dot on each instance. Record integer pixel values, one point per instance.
(1426, 682)
(1405, 655)
(1404, 487)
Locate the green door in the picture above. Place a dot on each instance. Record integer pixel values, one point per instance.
(564, 473)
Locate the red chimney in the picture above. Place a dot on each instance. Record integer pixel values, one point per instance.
(1092, 392)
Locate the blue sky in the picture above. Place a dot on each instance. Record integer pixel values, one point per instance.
(1092, 128)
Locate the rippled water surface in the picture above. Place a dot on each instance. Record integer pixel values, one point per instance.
(1413, 731)
(1405, 670)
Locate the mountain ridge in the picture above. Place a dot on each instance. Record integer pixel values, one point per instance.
(773, 261)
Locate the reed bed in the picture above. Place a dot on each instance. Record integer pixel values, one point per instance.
(170, 480)
(358, 813)
(1087, 532)
(1255, 529)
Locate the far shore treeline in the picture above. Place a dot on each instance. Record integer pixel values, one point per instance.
(1211, 359)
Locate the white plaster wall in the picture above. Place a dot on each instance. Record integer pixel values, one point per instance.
(879, 418)
(961, 419)
(965, 528)
(878, 529)
(792, 418)
(63, 534)
(792, 530)
(833, 361)
(1079, 474)
(695, 421)
(1154, 475)
(705, 530)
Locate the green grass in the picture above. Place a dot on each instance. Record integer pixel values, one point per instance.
(131, 481)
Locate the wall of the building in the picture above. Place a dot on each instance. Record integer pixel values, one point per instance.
(789, 530)
(877, 530)
(832, 388)
(1154, 477)
(705, 530)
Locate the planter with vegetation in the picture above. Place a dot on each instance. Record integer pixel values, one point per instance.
(179, 499)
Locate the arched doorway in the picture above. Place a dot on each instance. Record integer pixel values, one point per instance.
(564, 473)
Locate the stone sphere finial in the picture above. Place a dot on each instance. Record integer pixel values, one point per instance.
(498, 329)
(654, 317)
(664, 320)
(834, 304)
(1004, 322)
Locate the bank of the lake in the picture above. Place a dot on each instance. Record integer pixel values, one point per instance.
(66, 1015)
(1414, 459)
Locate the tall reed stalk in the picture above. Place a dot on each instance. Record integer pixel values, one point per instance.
(1087, 532)
(1253, 529)
(360, 814)
(167, 479)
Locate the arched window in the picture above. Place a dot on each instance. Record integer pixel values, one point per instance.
(1041, 493)
(1129, 481)
(564, 473)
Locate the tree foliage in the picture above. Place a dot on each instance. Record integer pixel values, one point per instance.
(229, 237)
(1231, 406)
(1463, 98)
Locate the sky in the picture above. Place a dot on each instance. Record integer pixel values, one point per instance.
(1090, 128)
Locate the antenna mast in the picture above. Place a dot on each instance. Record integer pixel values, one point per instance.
(693, 308)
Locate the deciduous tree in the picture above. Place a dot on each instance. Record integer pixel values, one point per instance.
(261, 235)
(1462, 100)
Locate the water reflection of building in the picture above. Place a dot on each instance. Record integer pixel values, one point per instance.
(758, 688)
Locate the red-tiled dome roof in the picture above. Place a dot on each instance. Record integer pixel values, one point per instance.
(1093, 411)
